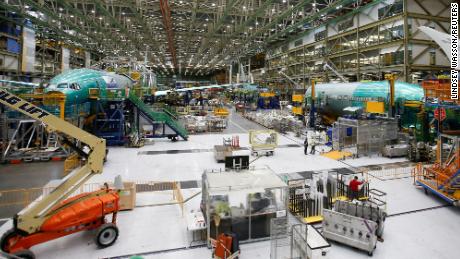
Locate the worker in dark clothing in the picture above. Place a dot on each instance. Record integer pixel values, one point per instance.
(305, 145)
(354, 188)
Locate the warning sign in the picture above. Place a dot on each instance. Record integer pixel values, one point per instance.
(440, 114)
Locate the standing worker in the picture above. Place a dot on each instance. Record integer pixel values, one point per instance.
(313, 144)
(354, 188)
(305, 144)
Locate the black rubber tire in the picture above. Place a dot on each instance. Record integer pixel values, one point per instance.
(106, 235)
(26, 254)
(7, 235)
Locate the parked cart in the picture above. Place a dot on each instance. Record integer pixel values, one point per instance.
(263, 142)
(226, 149)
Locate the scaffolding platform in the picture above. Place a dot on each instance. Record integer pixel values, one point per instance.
(439, 89)
(443, 177)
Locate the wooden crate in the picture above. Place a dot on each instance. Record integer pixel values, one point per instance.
(128, 196)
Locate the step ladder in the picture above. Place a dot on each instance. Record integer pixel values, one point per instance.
(52, 140)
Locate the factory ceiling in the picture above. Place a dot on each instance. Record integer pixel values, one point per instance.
(192, 37)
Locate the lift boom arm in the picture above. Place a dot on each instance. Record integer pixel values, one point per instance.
(31, 218)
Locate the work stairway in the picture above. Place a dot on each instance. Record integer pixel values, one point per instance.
(442, 178)
(450, 173)
(3, 135)
(454, 181)
(155, 117)
(3, 130)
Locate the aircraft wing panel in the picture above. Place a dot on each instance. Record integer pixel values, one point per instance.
(443, 39)
(19, 83)
(161, 93)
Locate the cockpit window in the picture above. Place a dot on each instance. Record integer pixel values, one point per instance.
(62, 86)
(75, 86)
(110, 81)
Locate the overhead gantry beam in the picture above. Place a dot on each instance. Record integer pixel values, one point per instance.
(65, 36)
(244, 26)
(205, 45)
(167, 22)
(271, 24)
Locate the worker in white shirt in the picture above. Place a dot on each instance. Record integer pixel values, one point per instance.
(313, 143)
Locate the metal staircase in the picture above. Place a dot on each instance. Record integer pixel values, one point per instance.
(443, 178)
(170, 112)
(454, 181)
(158, 117)
(3, 136)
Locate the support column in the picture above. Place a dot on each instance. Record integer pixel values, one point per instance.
(230, 74)
(312, 106)
(406, 43)
(358, 64)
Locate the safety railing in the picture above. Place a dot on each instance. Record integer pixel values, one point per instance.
(172, 113)
(19, 196)
(115, 94)
(309, 205)
(391, 173)
(436, 177)
(11, 201)
(177, 196)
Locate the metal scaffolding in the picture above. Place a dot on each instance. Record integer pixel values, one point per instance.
(363, 137)
(189, 37)
(362, 44)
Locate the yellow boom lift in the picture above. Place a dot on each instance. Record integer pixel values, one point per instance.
(55, 215)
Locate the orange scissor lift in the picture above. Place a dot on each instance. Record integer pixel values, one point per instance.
(443, 177)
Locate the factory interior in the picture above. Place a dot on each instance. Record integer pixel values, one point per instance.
(250, 129)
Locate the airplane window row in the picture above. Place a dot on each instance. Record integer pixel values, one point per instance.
(73, 86)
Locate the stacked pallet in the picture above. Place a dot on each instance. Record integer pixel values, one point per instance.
(278, 120)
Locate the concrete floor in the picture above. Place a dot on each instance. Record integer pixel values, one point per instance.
(238, 124)
(29, 175)
(160, 232)
(26, 176)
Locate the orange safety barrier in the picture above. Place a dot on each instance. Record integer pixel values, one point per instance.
(20, 198)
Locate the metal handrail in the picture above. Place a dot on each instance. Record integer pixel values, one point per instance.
(158, 116)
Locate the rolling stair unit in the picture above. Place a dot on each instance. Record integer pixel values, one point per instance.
(170, 112)
(3, 135)
(161, 121)
(442, 178)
